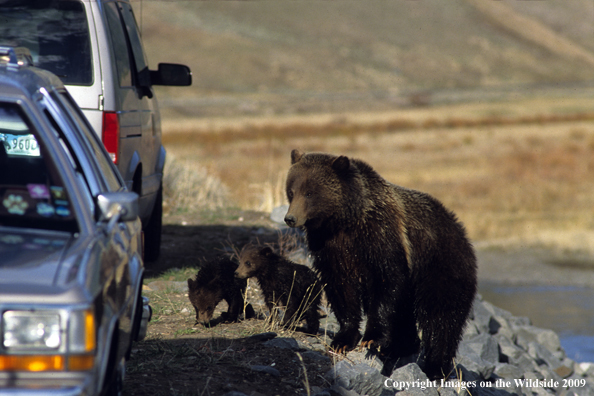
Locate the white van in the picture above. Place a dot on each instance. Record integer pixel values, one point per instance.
(95, 47)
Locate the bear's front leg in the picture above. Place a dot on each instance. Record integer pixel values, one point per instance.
(374, 333)
(235, 308)
(346, 339)
(348, 336)
(345, 301)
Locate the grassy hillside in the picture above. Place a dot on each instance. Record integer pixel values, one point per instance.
(265, 57)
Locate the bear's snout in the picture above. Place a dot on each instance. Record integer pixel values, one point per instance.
(290, 220)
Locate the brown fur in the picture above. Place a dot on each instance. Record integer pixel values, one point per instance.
(395, 254)
(216, 282)
(283, 283)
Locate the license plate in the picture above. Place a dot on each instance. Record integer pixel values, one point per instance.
(20, 145)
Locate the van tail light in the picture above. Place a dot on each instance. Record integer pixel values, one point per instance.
(111, 134)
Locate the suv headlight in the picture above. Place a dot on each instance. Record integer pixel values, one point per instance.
(31, 331)
(48, 340)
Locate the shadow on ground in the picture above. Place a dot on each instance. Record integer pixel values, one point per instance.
(190, 245)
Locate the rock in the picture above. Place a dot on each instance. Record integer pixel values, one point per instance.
(341, 374)
(508, 350)
(412, 379)
(338, 390)
(316, 357)
(484, 345)
(526, 364)
(585, 369)
(265, 369)
(278, 214)
(542, 355)
(470, 330)
(365, 357)
(481, 316)
(262, 337)
(283, 342)
(359, 378)
(508, 371)
(313, 344)
(547, 338)
(479, 354)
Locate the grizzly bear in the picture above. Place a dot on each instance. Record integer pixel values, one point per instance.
(283, 283)
(215, 282)
(395, 254)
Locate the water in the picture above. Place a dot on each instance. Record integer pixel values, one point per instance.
(568, 310)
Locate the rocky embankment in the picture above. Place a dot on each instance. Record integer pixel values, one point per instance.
(499, 355)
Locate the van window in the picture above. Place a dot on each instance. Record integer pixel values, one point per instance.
(55, 32)
(105, 163)
(134, 35)
(120, 47)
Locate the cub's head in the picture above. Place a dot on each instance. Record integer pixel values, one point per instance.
(204, 298)
(252, 259)
(318, 187)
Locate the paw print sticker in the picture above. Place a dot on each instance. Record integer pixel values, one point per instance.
(15, 204)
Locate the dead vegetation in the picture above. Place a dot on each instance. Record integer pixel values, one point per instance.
(506, 176)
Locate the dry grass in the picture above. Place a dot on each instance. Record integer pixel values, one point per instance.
(188, 186)
(506, 177)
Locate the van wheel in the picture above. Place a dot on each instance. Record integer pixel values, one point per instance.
(152, 232)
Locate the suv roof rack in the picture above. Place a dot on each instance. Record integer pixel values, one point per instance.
(15, 57)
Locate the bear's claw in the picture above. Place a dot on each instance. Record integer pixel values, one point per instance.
(368, 344)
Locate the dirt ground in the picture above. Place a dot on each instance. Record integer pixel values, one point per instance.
(179, 357)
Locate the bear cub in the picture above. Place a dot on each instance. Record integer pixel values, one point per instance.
(283, 283)
(395, 254)
(216, 282)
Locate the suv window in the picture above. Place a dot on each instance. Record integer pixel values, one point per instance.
(56, 34)
(32, 193)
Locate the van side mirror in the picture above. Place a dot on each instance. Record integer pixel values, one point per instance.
(172, 74)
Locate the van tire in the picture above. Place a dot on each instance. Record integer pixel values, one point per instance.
(152, 232)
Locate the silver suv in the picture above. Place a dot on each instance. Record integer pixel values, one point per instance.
(95, 47)
(70, 239)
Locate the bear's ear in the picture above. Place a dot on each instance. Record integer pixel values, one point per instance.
(266, 251)
(341, 164)
(296, 156)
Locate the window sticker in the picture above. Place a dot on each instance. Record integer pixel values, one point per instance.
(45, 209)
(38, 191)
(62, 211)
(11, 239)
(59, 195)
(15, 204)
